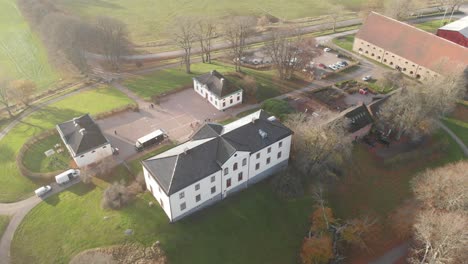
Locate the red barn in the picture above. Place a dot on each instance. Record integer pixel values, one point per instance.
(456, 32)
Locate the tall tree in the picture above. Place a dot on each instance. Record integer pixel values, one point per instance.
(318, 139)
(415, 109)
(399, 9)
(24, 89)
(236, 31)
(290, 52)
(6, 96)
(205, 31)
(183, 35)
(113, 39)
(335, 12)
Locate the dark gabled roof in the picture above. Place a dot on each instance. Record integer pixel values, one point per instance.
(217, 84)
(208, 131)
(210, 148)
(359, 117)
(82, 134)
(411, 43)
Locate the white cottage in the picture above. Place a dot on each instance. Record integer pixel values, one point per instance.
(216, 162)
(217, 90)
(84, 140)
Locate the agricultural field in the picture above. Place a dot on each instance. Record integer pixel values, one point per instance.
(22, 55)
(13, 185)
(147, 20)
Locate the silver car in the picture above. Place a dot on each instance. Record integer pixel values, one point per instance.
(42, 190)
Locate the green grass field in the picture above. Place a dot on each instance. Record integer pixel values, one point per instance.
(252, 227)
(35, 159)
(14, 186)
(345, 42)
(4, 220)
(22, 55)
(432, 26)
(147, 20)
(163, 81)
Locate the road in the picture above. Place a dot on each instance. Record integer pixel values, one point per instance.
(267, 36)
(17, 211)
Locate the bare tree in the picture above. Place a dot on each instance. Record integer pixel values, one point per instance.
(369, 6)
(444, 188)
(290, 52)
(113, 39)
(182, 32)
(335, 12)
(319, 139)
(6, 96)
(24, 90)
(205, 31)
(399, 9)
(392, 80)
(414, 110)
(116, 196)
(440, 238)
(236, 31)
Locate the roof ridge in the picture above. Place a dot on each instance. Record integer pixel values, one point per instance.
(173, 172)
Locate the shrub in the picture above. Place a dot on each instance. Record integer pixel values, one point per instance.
(116, 196)
(277, 107)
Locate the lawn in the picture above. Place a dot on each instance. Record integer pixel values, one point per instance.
(345, 42)
(431, 26)
(4, 220)
(147, 20)
(14, 186)
(35, 159)
(458, 127)
(166, 80)
(252, 227)
(22, 55)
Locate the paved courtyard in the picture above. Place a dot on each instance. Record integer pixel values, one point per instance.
(178, 114)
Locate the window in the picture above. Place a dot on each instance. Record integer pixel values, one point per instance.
(197, 187)
(104, 147)
(213, 189)
(280, 144)
(81, 156)
(240, 176)
(159, 189)
(279, 155)
(385, 60)
(228, 183)
(213, 178)
(257, 166)
(391, 63)
(151, 189)
(198, 198)
(226, 171)
(181, 195)
(224, 104)
(238, 98)
(411, 72)
(230, 101)
(268, 160)
(183, 206)
(161, 202)
(244, 162)
(269, 149)
(234, 167)
(258, 155)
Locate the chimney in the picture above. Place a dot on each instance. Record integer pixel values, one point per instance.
(74, 121)
(262, 133)
(253, 119)
(82, 131)
(272, 118)
(222, 81)
(186, 150)
(212, 72)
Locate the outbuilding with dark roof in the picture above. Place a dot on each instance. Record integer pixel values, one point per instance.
(217, 90)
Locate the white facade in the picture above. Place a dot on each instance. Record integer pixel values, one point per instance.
(238, 172)
(220, 103)
(92, 156)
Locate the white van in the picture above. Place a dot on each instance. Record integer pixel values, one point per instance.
(42, 190)
(67, 176)
(151, 139)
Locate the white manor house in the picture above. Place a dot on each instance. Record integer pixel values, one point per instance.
(217, 90)
(216, 162)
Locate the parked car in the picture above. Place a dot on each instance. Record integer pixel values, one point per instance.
(344, 63)
(153, 138)
(367, 78)
(333, 67)
(67, 176)
(327, 49)
(42, 190)
(321, 65)
(363, 91)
